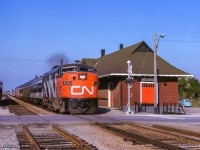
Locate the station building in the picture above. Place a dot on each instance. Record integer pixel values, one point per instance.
(112, 72)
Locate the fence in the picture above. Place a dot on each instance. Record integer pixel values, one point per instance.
(173, 108)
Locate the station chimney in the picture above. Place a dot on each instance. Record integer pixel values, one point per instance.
(121, 46)
(102, 52)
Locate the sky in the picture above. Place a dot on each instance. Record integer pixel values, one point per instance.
(35, 32)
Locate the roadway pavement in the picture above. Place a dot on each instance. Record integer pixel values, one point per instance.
(116, 111)
(192, 116)
(189, 121)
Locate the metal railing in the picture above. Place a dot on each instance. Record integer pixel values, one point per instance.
(140, 107)
(174, 108)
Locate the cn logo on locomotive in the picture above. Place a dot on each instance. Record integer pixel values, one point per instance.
(82, 90)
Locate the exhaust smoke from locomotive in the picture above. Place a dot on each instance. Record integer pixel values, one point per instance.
(57, 59)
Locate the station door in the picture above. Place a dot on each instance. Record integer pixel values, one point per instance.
(147, 93)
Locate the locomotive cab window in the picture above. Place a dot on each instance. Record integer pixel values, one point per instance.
(86, 69)
(69, 69)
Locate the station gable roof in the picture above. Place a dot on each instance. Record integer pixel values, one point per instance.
(142, 58)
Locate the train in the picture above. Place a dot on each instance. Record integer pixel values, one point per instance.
(69, 88)
(1, 89)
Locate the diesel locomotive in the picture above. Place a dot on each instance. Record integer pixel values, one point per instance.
(71, 88)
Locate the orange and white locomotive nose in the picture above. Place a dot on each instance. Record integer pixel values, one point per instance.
(80, 85)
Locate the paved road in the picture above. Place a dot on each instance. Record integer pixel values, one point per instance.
(8, 118)
(192, 116)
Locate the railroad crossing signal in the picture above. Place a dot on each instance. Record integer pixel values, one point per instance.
(129, 81)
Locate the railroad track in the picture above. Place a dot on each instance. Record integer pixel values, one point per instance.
(148, 136)
(20, 110)
(179, 131)
(44, 135)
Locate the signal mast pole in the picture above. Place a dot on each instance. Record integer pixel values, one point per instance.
(129, 81)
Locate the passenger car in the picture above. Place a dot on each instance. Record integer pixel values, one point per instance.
(185, 102)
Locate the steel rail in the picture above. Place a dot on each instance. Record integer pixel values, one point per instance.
(31, 138)
(80, 143)
(181, 131)
(165, 130)
(140, 138)
(131, 135)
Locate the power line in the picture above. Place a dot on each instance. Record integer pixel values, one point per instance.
(186, 41)
(26, 60)
(20, 60)
(184, 36)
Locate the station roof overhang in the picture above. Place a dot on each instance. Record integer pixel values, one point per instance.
(145, 75)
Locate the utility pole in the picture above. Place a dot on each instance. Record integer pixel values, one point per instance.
(155, 77)
(155, 72)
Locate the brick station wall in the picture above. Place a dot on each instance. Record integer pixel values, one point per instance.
(168, 92)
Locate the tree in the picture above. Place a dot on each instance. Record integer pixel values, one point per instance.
(194, 88)
(182, 88)
(189, 88)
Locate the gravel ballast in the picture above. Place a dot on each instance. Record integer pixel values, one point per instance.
(8, 139)
(101, 138)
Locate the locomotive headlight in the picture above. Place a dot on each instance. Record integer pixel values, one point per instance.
(67, 83)
(82, 76)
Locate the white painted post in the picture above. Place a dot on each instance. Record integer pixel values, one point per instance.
(128, 110)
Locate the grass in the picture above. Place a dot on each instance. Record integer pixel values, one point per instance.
(196, 103)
